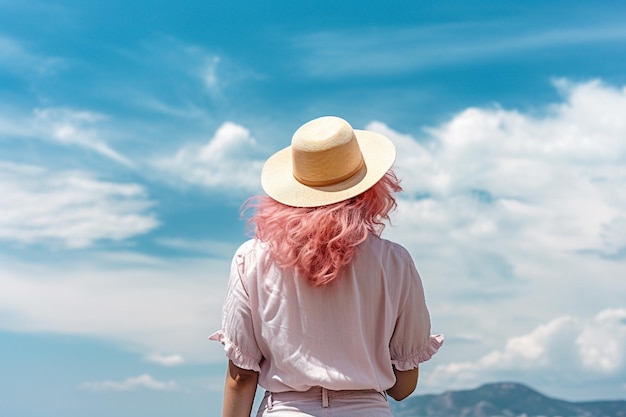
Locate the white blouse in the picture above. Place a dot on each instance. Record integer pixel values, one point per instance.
(343, 336)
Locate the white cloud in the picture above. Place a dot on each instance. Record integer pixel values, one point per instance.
(70, 127)
(541, 193)
(228, 161)
(572, 348)
(70, 207)
(63, 126)
(602, 345)
(144, 381)
(165, 360)
(144, 307)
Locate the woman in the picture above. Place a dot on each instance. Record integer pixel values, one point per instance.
(320, 311)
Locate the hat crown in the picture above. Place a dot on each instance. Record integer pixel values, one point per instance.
(325, 151)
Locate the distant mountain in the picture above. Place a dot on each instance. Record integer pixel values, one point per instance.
(502, 400)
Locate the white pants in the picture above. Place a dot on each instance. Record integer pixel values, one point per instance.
(320, 402)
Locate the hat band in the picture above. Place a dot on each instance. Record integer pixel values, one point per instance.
(331, 181)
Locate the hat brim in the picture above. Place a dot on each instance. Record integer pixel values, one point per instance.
(278, 181)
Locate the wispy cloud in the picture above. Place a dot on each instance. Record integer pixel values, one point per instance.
(69, 207)
(17, 59)
(211, 80)
(229, 161)
(165, 360)
(188, 73)
(70, 127)
(391, 50)
(190, 60)
(67, 127)
(144, 381)
(204, 247)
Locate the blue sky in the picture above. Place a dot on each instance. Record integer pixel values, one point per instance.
(131, 132)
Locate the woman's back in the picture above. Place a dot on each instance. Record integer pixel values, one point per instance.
(339, 336)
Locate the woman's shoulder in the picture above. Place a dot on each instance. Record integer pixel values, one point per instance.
(389, 252)
(385, 247)
(250, 249)
(246, 247)
(389, 256)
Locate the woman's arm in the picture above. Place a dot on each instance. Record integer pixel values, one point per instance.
(406, 381)
(239, 391)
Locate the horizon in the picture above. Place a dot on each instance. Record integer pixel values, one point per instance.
(503, 399)
(518, 384)
(131, 133)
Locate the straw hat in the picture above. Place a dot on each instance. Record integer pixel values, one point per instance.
(327, 162)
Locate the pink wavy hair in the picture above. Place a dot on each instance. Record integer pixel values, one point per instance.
(319, 241)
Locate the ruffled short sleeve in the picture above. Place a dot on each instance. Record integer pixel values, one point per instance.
(411, 342)
(237, 332)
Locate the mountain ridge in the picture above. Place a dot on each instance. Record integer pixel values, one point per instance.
(503, 399)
